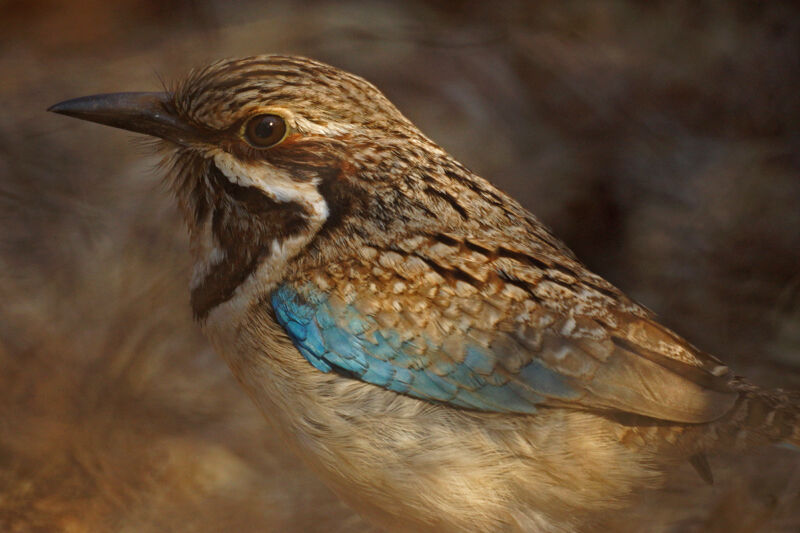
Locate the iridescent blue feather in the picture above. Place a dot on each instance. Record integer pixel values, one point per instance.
(331, 337)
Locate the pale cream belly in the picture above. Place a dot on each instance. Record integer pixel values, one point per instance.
(413, 466)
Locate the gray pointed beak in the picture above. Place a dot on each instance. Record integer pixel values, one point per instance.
(148, 113)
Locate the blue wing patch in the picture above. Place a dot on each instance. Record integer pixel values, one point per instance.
(340, 336)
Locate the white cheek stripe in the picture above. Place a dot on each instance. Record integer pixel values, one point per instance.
(274, 183)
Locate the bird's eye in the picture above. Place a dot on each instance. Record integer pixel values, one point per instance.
(263, 131)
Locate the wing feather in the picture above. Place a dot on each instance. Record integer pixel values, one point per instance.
(510, 328)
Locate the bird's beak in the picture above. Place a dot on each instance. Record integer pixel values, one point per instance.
(148, 113)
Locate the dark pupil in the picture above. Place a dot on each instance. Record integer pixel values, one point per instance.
(265, 127)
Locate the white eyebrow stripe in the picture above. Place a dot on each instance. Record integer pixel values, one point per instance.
(330, 128)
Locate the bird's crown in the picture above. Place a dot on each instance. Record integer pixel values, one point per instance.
(318, 98)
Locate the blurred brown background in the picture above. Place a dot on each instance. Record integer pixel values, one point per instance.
(660, 140)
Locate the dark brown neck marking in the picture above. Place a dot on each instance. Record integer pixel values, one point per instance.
(245, 222)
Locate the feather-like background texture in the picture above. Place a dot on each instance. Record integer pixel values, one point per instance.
(660, 140)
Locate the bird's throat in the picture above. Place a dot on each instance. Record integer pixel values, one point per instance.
(248, 234)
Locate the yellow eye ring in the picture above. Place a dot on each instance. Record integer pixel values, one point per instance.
(265, 131)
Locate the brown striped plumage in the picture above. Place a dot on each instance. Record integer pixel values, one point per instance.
(357, 202)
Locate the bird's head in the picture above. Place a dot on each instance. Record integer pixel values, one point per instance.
(270, 156)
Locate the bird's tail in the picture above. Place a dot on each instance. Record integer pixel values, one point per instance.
(759, 417)
(762, 417)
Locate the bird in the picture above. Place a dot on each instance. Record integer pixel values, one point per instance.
(422, 341)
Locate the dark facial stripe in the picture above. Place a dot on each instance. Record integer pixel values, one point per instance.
(221, 282)
(245, 223)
